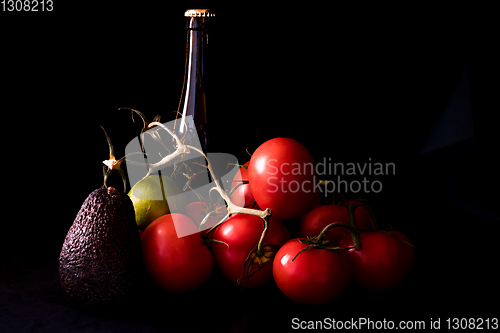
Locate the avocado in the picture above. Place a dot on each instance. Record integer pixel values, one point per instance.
(101, 258)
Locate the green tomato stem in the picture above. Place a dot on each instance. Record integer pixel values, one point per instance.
(322, 234)
(352, 221)
(370, 212)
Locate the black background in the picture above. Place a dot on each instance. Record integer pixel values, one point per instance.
(349, 82)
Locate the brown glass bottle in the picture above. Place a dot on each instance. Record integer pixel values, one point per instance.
(193, 100)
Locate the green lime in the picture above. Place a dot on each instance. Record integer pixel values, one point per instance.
(152, 200)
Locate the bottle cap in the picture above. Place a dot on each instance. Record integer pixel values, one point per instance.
(199, 13)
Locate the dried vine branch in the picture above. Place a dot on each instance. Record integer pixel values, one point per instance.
(180, 150)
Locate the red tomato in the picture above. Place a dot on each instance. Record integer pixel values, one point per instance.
(316, 276)
(281, 177)
(242, 232)
(407, 253)
(382, 261)
(317, 219)
(198, 210)
(242, 196)
(175, 264)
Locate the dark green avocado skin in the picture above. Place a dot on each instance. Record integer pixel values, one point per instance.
(101, 259)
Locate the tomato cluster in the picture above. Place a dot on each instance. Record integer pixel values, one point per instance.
(336, 243)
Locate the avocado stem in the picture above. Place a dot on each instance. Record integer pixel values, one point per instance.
(113, 164)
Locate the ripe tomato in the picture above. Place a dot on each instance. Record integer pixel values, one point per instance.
(242, 232)
(407, 253)
(316, 276)
(382, 261)
(281, 177)
(242, 196)
(176, 264)
(317, 219)
(198, 210)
